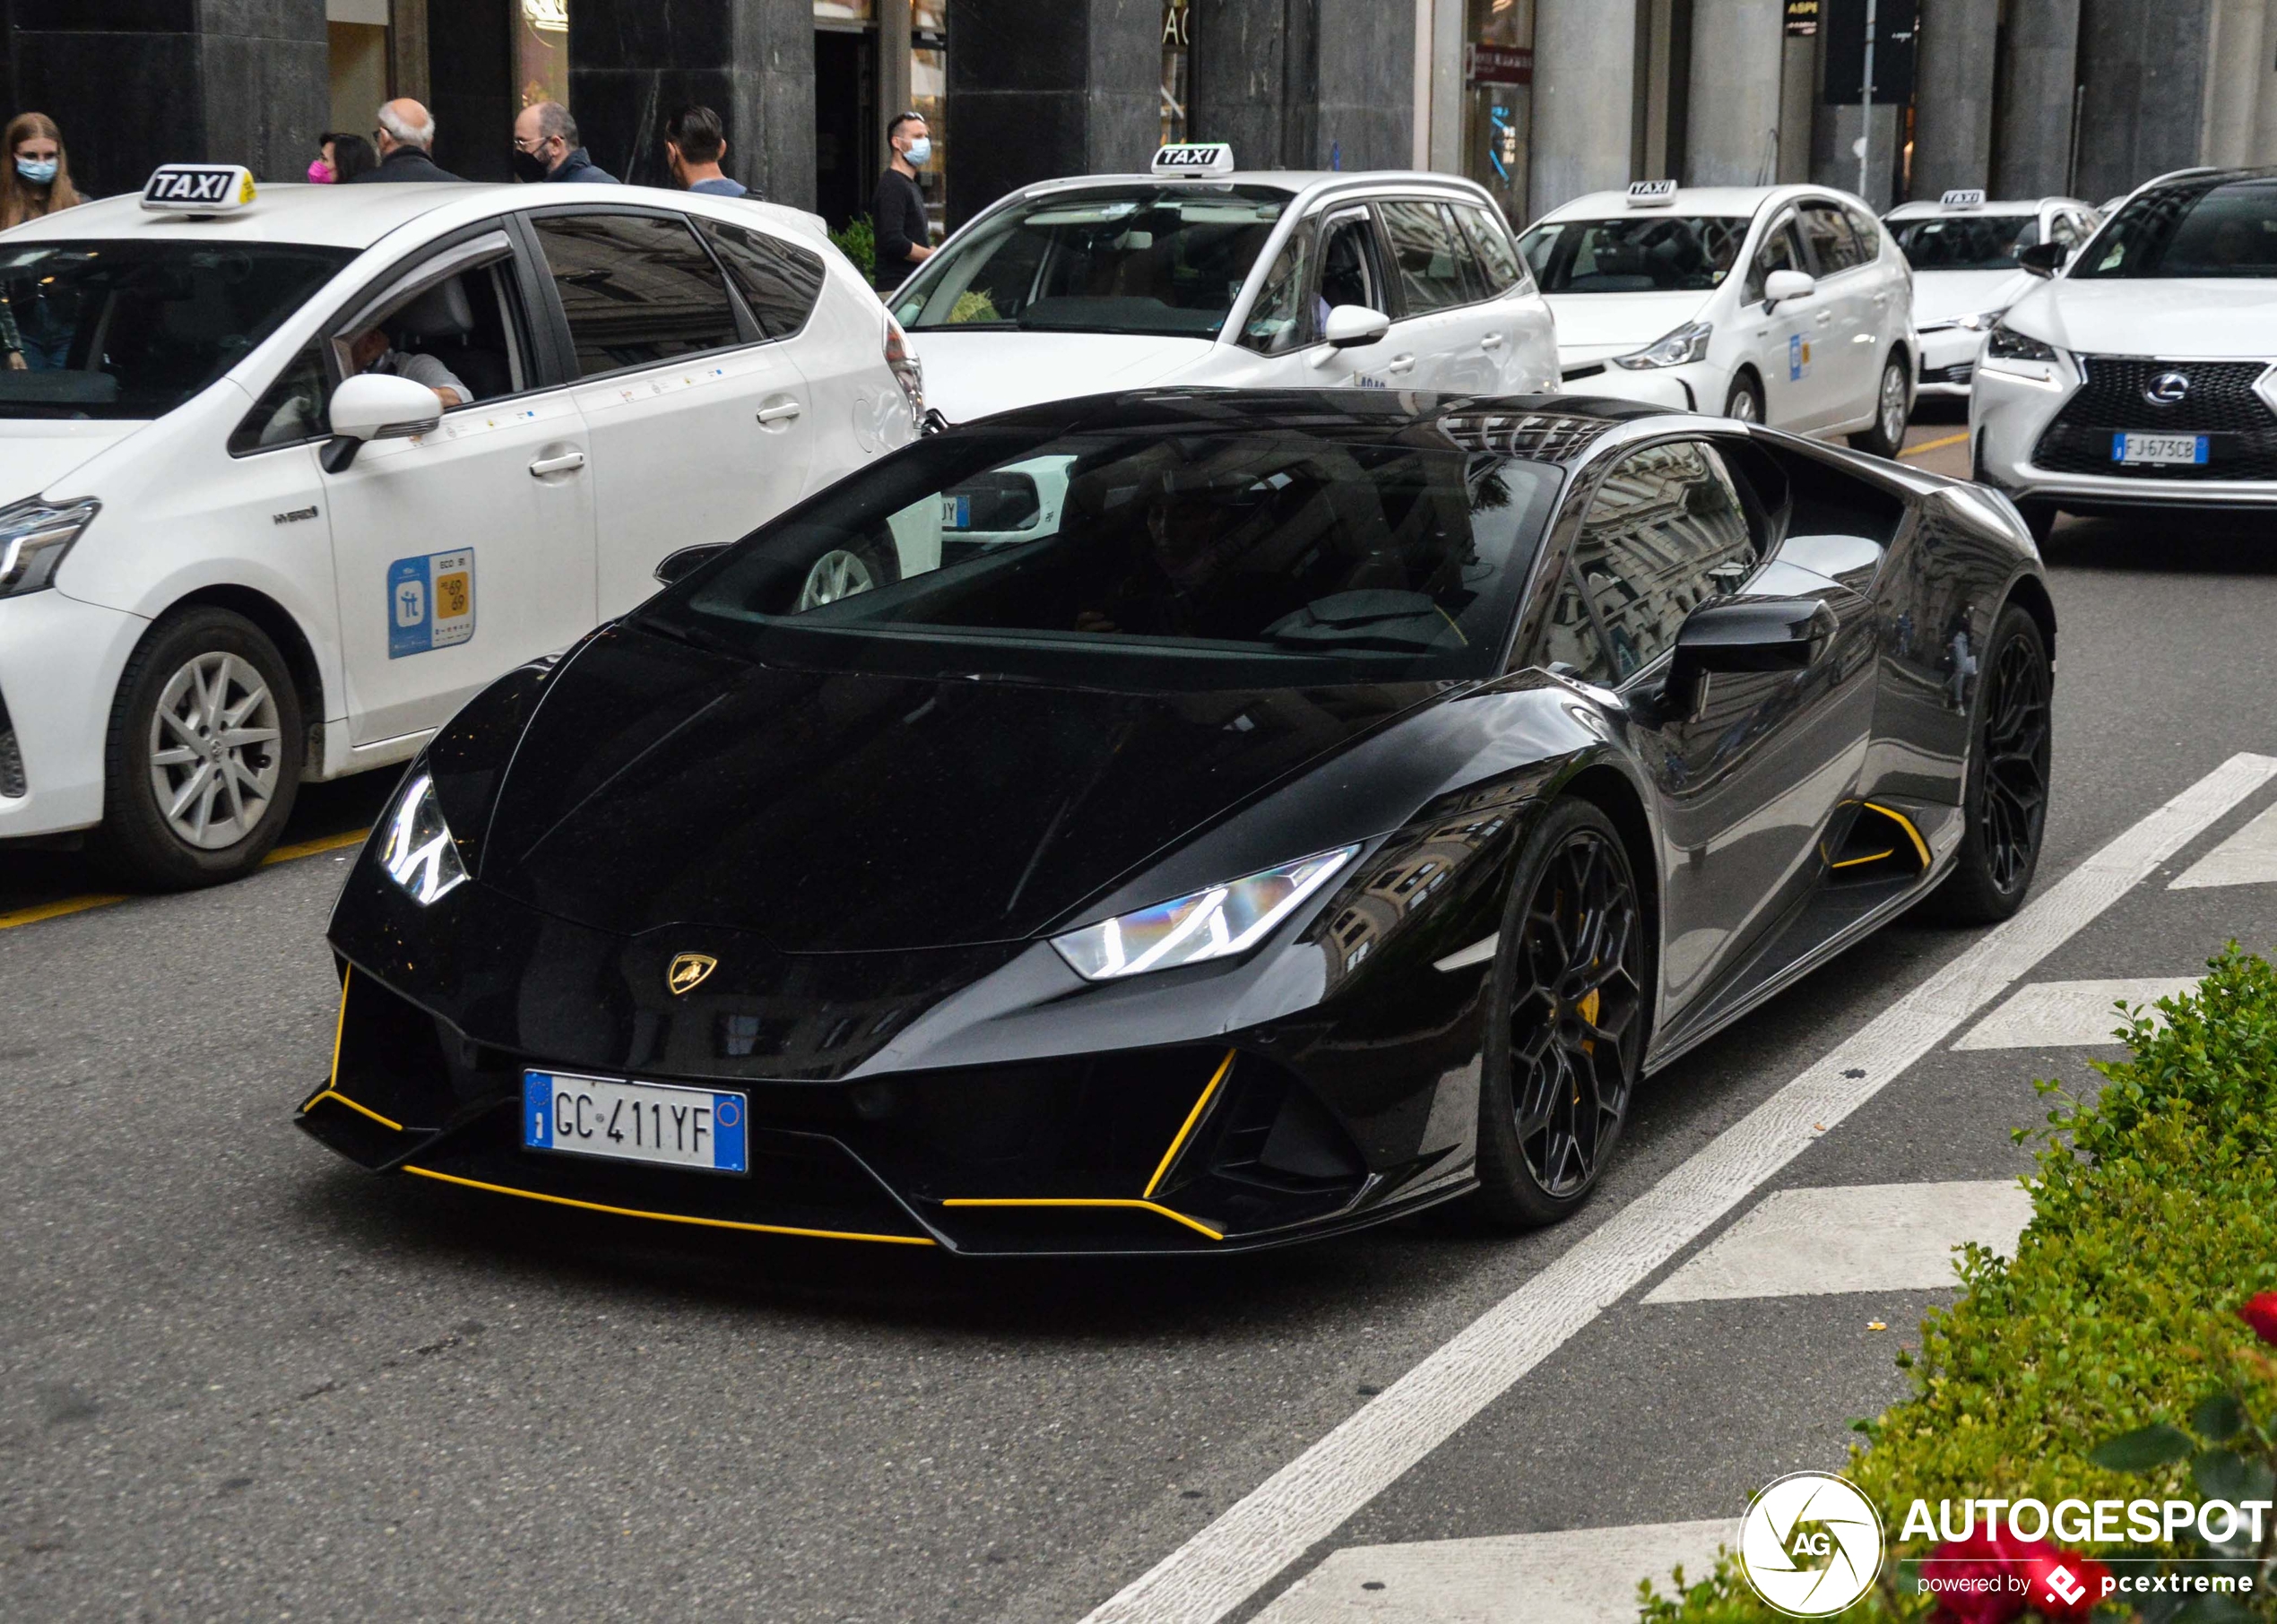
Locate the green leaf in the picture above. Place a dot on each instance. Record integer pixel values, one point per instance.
(2222, 1474)
(2219, 1419)
(2144, 1449)
(2215, 1610)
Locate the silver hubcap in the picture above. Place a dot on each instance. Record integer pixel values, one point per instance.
(214, 751)
(1742, 407)
(837, 573)
(1892, 404)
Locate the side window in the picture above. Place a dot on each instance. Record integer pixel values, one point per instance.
(1868, 230)
(463, 333)
(637, 289)
(2062, 227)
(1827, 234)
(1497, 262)
(1276, 324)
(1664, 533)
(1429, 256)
(780, 282)
(1349, 274)
(1780, 252)
(1570, 637)
(290, 410)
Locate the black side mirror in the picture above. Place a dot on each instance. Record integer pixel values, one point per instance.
(1745, 634)
(685, 562)
(2043, 259)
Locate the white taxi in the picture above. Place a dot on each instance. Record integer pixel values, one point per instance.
(298, 471)
(1198, 273)
(1964, 253)
(1782, 305)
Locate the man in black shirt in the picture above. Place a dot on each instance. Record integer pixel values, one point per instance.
(897, 212)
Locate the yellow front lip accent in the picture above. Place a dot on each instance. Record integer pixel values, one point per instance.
(1192, 1117)
(714, 1223)
(333, 1093)
(1920, 846)
(1144, 1207)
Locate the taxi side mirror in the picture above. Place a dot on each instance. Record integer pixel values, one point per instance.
(376, 406)
(1350, 327)
(1781, 286)
(2043, 259)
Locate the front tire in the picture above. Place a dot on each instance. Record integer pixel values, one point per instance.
(203, 754)
(1892, 404)
(1566, 1021)
(2005, 803)
(1744, 401)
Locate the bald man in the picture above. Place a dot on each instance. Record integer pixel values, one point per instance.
(406, 132)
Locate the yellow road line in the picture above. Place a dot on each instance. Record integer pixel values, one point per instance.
(1951, 439)
(81, 904)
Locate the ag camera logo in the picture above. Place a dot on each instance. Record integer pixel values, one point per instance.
(1811, 1544)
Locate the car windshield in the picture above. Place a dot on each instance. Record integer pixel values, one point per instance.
(1965, 242)
(131, 329)
(1635, 253)
(1136, 259)
(1145, 559)
(2221, 228)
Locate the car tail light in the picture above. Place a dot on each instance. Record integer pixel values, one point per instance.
(908, 371)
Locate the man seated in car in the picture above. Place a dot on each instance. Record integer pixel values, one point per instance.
(371, 351)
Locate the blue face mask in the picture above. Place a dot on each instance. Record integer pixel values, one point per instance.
(39, 171)
(920, 150)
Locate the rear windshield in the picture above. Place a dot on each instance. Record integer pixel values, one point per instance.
(121, 329)
(1134, 259)
(1965, 242)
(2221, 229)
(1635, 253)
(1246, 558)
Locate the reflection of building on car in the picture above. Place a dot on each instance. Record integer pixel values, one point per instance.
(1965, 272)
(256, 544)
(2142, 371)
(1783, 305)
(1200, 274)
(1348, 797)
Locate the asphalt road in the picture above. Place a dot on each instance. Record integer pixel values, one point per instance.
(240, 1379)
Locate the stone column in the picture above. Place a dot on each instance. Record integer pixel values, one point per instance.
(1798, 109)
(1447, 86)
(1042, 88)
(2238, 75)
(631, 63)
(1306, 84)
(1952, 95)
(2039, 71)
(2144, 67)
(1585, 88)
(2265, 148)
(1736, 58)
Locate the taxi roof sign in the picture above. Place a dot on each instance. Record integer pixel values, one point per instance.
(1191, 158)
(198, 188)
(1647, 194)
(1963, 197)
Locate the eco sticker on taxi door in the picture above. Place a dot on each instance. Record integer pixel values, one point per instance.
(430, 602)
(1799, 358)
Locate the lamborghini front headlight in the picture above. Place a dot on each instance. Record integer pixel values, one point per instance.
(1213, 924)
(419, 854)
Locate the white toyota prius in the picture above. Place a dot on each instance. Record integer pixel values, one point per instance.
(2143, 373)
(294, 473)
(1197, 273)
(1782, 305)
(1964, 253)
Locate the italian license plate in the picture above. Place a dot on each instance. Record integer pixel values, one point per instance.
(633, 1121)
(2158, 448)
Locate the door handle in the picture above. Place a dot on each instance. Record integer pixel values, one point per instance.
(1825, 319)
(1401, 363)
(1492, 340)
(564, 464)
(780, 414)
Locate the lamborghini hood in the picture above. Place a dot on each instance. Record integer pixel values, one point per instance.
(834, 812)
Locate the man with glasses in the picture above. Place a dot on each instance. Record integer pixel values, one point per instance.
(545, 147)
(406, 132)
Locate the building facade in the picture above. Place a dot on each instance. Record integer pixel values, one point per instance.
(1537, 100)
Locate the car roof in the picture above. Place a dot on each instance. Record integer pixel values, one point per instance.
(1925, 207)
(1693, 199)
(1297, 183)
(2210, 176)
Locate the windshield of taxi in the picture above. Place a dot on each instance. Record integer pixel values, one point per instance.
(1965, 242)
(1143, 259)
(2220, 229)
(131, 329)
(1637, 253)
(1269, 557)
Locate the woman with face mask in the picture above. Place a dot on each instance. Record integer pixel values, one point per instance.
(36, 181)
(341, 159)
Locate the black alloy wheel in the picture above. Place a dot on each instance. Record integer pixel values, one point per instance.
(1567, 1021)
(2006, 802)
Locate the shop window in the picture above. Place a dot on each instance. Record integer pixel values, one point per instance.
(928, 99)
(542, 52)
(1177, 67)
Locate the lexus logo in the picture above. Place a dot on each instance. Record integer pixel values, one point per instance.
(2167, 389)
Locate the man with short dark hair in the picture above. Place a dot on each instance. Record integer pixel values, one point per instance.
(897, 212)
(694, 144)
(406, 132)
(545, 147)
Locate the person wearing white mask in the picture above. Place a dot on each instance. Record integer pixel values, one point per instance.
(34, 333)
(897, 212)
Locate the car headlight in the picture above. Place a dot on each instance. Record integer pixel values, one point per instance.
(419, 854)
(1981, 321)
(1213, 924)
(34, 537)
(2006, 344)
(1687, 343)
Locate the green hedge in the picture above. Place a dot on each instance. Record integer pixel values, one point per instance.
(2154, 1219)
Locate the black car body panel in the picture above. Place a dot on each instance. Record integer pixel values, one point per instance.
(877, 862)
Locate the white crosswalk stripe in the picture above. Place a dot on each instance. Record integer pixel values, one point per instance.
(1851, 1237)
(2247, 858)
(2069, 1015)
(1579, 1576)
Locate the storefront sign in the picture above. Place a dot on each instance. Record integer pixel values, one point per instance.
(1498, 64)
(1802, 18)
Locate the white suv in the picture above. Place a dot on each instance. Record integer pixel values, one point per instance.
(301, 472)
